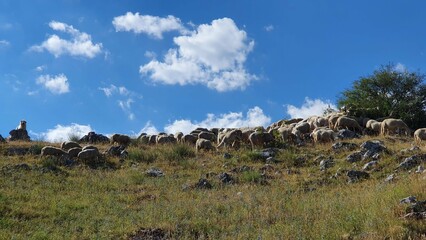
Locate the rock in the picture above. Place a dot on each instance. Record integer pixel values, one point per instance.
(270, 160)
(68, 145)
(420, 169)
(416, 207)
(355, 175)
(124, 154)
(368, 166)
(268, 152)
(19, 135)
(411, 162)
(344, 146)
(115, 151)
(227, 156)
(412, 149)
(203, 184)
(347, 134)
(89, 156)
(2, 140)
(354, 157)
(326, 163)
(409, 199)
(92, 137)
(373, 146)
(390, 178)
(416, 216)
(226, 178)
(154, 172)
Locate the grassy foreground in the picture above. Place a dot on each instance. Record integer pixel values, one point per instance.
(288, 199)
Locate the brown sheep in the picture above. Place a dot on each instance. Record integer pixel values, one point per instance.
(203, 144)
(344, 122)
(323, 135)
(392, 125)
(120, 139)
(52, 151)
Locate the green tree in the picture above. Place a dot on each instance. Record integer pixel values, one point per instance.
(388, 93)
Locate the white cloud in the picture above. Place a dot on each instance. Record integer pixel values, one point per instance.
(125, 105)
(152, 25)
(213, 55)
(309, 108)
(150, 54)
(40, 68)
(55, 84)
(399, 67)
(62, 133)
(80, 43)
(254, 117)
(269, 28)
(4, 44)
(149, 128)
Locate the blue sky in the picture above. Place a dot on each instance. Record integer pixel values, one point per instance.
(126, 66)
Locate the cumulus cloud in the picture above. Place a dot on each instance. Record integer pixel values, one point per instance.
(40, 68)
(4, 44)
(152, 25)
(254, 117)
(55, 84)
(80, 44)
(149, 128)
(269, 28)
(309, 108)
(212, 55)
(62, 133)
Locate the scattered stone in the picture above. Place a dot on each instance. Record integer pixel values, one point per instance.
(420, 169)
(409, 199)
(226, 178)
(390, 178)
(243, 168)
(203, 184)
(344, 146)
(154, 172)
(268, 152)
(115, 151)
(416, 210)
(368, 166)
(92, 137)
(150, 234)
(355, 175)
(326, 163)
(411, 162)
(227, 156)
(354, 157)
(370, 148)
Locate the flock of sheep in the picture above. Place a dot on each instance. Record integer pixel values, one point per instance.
(318, 129)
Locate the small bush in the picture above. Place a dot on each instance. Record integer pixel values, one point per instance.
(252, 156)
(251, 177)
(73, 137)
(179, 152)
(139, 155)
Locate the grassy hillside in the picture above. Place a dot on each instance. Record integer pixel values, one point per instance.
(288, 198)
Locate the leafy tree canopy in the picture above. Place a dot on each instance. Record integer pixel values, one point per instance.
(388, 93)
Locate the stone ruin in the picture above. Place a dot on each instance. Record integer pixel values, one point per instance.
(20, 133)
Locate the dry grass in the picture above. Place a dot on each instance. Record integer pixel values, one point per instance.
(290, 199)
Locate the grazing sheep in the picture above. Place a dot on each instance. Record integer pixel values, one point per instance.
(332, 121)
(323, 135)
(120, 139)
(189, 139)
(52, 151)
(152, 139)
(285, 133)
(68, 145)
(374, 126)
(207, 135)
(344, 122)
(89, 147)
(394, 126)
(246, 134)
(144, 139)
(163, 139)
(230, 137)
(88, 155)
(22, 125)
(420, 135)
(73, 152)
(260, 139)
(178, 136)
(203, 144)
